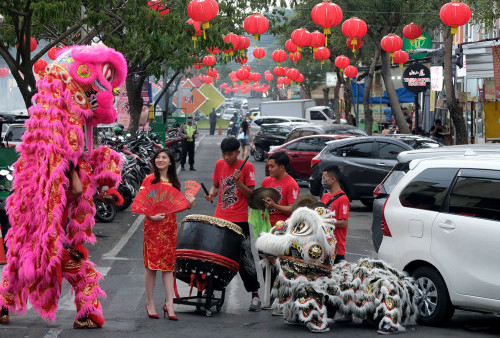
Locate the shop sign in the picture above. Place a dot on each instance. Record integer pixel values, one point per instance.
(423, 41)
(437, 78)
(416, 78)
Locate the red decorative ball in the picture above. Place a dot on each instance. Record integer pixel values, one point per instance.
(412, 31)
(259, 53)
(203, 10)
(317, 39)
(301, 37)
(351, 71)
(290, 46)
(326, 15)
(255, 25)
(322, 53)
(455, 14)
(391, 43)
(341, 62)
(279, 56)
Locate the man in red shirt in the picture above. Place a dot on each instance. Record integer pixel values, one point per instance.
(233, 187)
(336, 200)
(284, 184)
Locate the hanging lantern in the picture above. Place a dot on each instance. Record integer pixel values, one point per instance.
(203, 11)
(300, 78)
(301, 37)
(400, 57)
(256, 24)
(279, 71)
(209, 60)
(455, 14)
(359, 44)
(242, 59)
(213, 50)
(391, 43)
(158, 6)
(269, 77)
(290, 46)
(279, 55)
(355, 29)
(223, 85)
(52, 53)
(342, 62)
(242, 74)
(317, 39)
(234, 40)
(256, 77)
(33, 44)
(198, 65)
(197, 30)
(244, 43)
(326, 15)
(247, 67)
(39, 66)
(212, 72)
(208, 79)
(4, 72)
(351, 72)
(286, 81)
(412, 32)
(292, 74)
(259, 53)
(295, 56)
(322, 54)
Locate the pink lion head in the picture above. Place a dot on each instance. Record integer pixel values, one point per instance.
(99, 70)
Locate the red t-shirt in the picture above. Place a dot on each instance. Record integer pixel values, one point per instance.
(289, 191)
(232, 205)
(341, 207)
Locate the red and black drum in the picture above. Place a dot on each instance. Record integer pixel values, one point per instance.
(208, 246)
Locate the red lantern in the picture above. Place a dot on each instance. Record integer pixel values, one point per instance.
(209, 60)
(301, 37)
(160, 7)
(292, 74)
(33, 44)
(279, 55)
(400, 57)
(39, 66)
(255, 25)
(242, 58)
(256, 77)
(223, 86)
(259, 53)
(208, 79)
(351, 71)
(341, 62)
(213, 50)
(300, 78)
(295, 56)
(278, 71)
(326, 15)
(321, 54)
(197, 29)
(391, 43)
(412, 32)
(4, 72)
(290, 46)
(203, 11)
(269, 77)
(317, 40)
(233, 39)
(286, 81)
(244, 43)
(455, 14)
(247, 67)
(359, 44)
(198, 65)
(355, 29)
(242, 74)
(212, 72)
(53, 52)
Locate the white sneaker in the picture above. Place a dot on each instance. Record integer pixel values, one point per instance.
(255, 305)
(277, 311)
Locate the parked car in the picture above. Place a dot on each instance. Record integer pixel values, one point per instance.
(324, 128)
(416, 141)
(13, 134)
(441, 224)
(383, 190)
(363, 163)
(254, 112)
(260, 120)
(301, 151)
(269, 135)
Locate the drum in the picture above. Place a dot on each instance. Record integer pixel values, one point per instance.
(208, 246)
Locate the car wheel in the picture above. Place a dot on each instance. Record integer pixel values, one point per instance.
(433, 301)
(258, 154)
(367, 203)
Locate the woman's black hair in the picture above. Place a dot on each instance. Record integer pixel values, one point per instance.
(171, 171)
(244, 127)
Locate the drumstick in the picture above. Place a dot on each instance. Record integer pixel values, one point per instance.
(205, 190)
(245, 161)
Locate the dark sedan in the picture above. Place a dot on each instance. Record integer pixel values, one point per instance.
(324, 129)
(363, 163)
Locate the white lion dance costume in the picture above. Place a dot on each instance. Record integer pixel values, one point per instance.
(308, 290)
(75, 92)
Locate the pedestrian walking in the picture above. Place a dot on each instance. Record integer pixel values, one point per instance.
(160, 236)
(213, 121)
(244, 137)
(233, 185)
(189, 132)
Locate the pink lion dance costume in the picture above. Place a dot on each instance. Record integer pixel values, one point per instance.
(74, 92)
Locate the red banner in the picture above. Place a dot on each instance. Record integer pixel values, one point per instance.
(496, 69)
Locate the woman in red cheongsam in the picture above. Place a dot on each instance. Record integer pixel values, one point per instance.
(160, 236)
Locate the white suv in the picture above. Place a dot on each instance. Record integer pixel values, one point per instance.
(441, 224)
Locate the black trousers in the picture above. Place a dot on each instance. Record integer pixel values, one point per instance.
(212, 127)
(247, 271)
(339, 258)
(187, 148)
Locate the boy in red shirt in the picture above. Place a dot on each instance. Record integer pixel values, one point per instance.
(233, 187)
(336, 200)
(284, 184)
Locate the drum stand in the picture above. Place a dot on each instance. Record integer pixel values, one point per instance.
(202, 283)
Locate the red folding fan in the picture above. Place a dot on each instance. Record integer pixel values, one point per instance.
(159, 199)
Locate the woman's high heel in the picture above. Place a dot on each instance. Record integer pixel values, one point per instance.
(152, 316)
(165, 313)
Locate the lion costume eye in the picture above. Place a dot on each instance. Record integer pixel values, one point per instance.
(302, 229)
(108, 71)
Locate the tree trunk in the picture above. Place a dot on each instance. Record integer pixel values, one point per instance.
(135, 101)
(347, 97)
(336, 98)
(391, 93)
(366, 94)
(326, 93)
(451, 100)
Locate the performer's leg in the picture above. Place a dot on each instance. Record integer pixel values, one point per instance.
(149, 285)
(247, 270)
(168, 284)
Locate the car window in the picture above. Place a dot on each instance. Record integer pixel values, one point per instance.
(259, 121)
(317, 115)
(283, 131)
(308, 133)
(291, 146)
(297, 120)
(312, 144)
(389, 151)
(364, 149)
(428, 189)
(476, 197)
(396, 174)
(293, 135)
(272, 130)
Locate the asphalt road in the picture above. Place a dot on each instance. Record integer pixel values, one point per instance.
(118, 256)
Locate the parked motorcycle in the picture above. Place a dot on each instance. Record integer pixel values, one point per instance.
(173, 142)
(105, 209)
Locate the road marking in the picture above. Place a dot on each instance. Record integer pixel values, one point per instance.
(123, 241)
(358, 237)
(53, 333)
